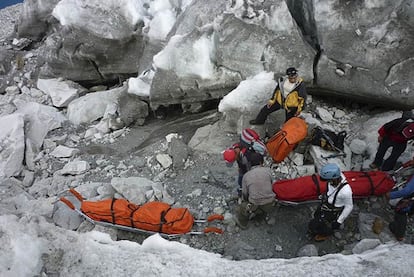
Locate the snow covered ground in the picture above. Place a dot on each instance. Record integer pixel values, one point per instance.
(29, 241)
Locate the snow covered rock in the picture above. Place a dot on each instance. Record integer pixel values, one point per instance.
(12, 145)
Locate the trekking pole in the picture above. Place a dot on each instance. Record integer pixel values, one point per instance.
(402, 167)
(334, 156)
(400, 184)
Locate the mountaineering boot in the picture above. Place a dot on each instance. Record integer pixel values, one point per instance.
(391, 227)
(240, 223)
(321, 237)
(241, 218)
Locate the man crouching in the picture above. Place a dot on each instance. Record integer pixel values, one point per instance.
(336, 204)
(257, 193)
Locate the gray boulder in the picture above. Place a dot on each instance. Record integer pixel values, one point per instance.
(131, 109)
(65, 217)
(101, 44)
(87, 57)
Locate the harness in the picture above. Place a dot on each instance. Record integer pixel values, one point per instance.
(328, 210)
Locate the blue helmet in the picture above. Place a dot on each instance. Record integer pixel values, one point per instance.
(330, 172)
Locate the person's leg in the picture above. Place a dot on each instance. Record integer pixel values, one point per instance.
(267, 211)
(239, 181)
(320, 225)
(327, 230)
(242, 215)
(399, 225)
(319, 229)
(290, 114)
(382, 149)
(264, 112)
(397, 150)
(267, 208)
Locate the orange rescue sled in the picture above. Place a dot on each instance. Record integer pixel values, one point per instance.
(151, 217)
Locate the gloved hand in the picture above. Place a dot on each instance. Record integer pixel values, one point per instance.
(270, 103)
(335, 225)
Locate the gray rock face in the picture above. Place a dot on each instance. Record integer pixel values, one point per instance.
(252, 48)
(367, 50)
(196, 15)
(359, 50)
(36, 19)
(81, 56)
(167, 88)
(8, 61)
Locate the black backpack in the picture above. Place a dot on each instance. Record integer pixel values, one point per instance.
(327, 139)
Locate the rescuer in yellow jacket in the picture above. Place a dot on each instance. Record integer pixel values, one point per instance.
(290, 94)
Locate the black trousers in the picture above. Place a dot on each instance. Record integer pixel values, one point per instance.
(265, 111)
(397, 150)
(321, 224)
(399, 225)
(320, 227)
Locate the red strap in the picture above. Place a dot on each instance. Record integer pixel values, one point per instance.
(76, 194)
(215, 217)
(213, 230)
(67, 202)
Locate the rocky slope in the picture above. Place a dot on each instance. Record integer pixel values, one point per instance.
(201, 183)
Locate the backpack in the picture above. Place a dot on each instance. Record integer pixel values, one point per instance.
(284, 141)
(250, 139)
(408, 130)
(328, 140)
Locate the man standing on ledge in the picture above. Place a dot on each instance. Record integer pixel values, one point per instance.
(290, 94)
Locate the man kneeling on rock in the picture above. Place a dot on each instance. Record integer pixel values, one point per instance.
(257, 193)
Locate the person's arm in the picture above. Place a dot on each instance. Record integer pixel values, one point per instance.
(406, 191)
(245, 160)
(272, 100)
(381, 133)
(345, 199)
(245, 189)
